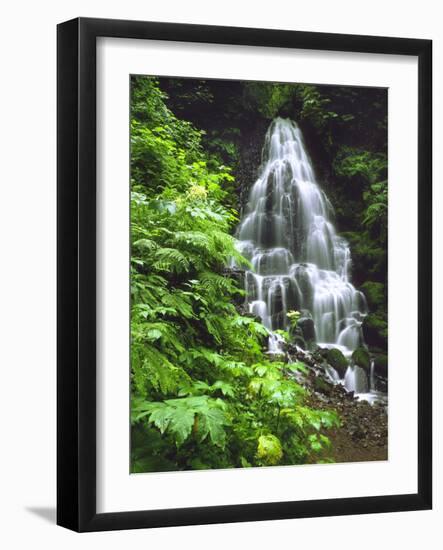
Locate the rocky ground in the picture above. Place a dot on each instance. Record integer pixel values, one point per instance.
(363, 435)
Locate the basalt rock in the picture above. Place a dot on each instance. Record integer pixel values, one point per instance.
(235, 273)
(322, 386)
(307, 326)
(296, 337)
(381, 365)
(337, 360)
(360, 357)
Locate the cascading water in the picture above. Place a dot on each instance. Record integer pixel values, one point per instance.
(298, 260)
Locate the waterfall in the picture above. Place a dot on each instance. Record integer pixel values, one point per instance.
(298, 260)
(356, 379)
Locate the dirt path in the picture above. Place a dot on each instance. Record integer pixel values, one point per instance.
(363, 434)
(346, 449)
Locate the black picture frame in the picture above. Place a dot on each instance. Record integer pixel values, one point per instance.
(76, 265)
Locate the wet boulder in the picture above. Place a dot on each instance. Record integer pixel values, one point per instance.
(251, 286)
(360, 357)
(337, 360)
(296, 337)
(301, 275)
(277, 314)
(306, 324)
(322, 386)
(381, 365)
(235, 273)
(269, 197)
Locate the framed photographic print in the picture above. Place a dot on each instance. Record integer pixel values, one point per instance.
(244, 274)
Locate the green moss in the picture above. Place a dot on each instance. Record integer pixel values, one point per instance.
(381, 364)
(361, 358)
(375, 294)
(322, 386)
(337, 360)
(378, 322)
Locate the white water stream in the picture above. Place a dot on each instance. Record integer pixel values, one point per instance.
(299, 262)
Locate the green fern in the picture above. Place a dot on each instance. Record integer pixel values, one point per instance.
(203, 392)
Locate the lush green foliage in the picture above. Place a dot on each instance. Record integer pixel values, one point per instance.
(267, 98)
(293, 317)
(204, 393)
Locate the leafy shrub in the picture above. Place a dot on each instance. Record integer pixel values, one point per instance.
(268, 98)
(204, 393)
(375, 294)
(269, 449)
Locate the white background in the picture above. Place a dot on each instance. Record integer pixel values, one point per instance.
(27, 291)
(116, 489)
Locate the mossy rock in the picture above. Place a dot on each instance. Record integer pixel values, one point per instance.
(300, 342)
(381, 365)
(378, 322)
(375, 294)
(307, 327)
(361, 358)
(296, 337)
(322, 386)
(311, 346)
(337, 360)
(317, 354)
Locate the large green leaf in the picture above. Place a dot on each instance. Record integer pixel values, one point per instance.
(212, 422)
(181, 421)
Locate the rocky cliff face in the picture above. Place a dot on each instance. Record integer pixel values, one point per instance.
(250, 144)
